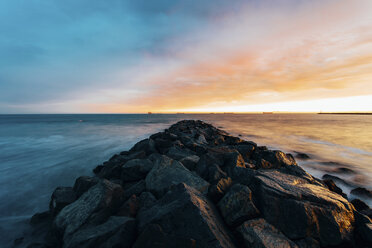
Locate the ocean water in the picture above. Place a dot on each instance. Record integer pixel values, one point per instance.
(40, 152)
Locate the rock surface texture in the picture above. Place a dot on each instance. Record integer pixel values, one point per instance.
(194, 185)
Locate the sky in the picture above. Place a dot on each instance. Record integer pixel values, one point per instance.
(96, 56)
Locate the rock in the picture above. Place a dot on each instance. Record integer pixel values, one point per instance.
(258, 233)
(267, 159)
(336, 179)
(162, 145)
(83, 184)
(359, 205)
(362, 192)
(167, 172)
(190, 162)
(232, 160)
(308, 243)
(245, 149)
(115, 232)
(179, 153)
(333, 187)
(300, 209)
(61, 197)
(103, 198)
(135, 189)
(40, 218)
(135, 169)
(344, 170)
(185, 212)
(302, 156)
(146, 145)
(237, 205)
(363, 229)
(217, 191)
(153, 236)
(130, 207)
(146, 200)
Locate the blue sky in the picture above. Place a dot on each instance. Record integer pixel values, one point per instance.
(124, 56)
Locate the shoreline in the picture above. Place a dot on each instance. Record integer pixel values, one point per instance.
(136, 192)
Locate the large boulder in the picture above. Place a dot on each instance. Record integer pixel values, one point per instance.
(135, 189)
(135, 169)
(267, 159)
(83, 184)
(237, 205)
(185, 212)
(146, 145)
(99, 202)
(115, 232)
(301, 209)
(167, 172)
(61, 197)
(260, 234)
(190, 162)
(179, 153)
(218, 190)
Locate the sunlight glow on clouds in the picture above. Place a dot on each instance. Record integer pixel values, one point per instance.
(233, 57)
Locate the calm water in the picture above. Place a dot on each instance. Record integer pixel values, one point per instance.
(41, 152)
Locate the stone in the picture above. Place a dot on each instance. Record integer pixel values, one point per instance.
(190, 162)
(39, 218)
(300, 209)
(135, 189)
(237, 205)
(185, 212)
(267, 159)
(333, 187)
(217, 191)
(362, 192)
(115, 232)
(146, 200)
(363, 230)
(179, 153)
(154, 236)
(260, 234)
(167, 172)
(105, 197)
(135, 169)
(61, 197)
(146, 145)
(359, 205)
(130, 207)
(83, 184)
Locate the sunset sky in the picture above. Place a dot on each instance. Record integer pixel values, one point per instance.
(95, 56)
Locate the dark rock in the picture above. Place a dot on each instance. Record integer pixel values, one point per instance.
(83, 184)
(268, 159)
(130, 207)
(359, 205)
(333, 187)
(40, 218)
(190, 162)
(362, 192)
(98, 169)
(302, 156)
(259, 233)
(308, 243)
(363, 230)
(336, 179)
(115, 232)
(217, 191)
(179, 153)
(102, 199)
(232, 160)
(300, 209)
(237, 205)
(61, 197)
(135, 189)
(146, 200)
(135, 169)
(344, 170)
(185, 212)
(162, 145)
(214, 173)
(146, 145)
(153, 236)
(167, 172)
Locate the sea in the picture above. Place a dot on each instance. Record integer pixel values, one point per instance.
(40, 152)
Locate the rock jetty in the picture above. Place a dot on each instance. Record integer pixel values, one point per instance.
(195, 185)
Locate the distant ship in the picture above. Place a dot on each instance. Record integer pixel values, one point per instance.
(149, 113)
(267, 113)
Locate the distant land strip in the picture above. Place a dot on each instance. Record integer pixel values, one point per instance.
(345, 113)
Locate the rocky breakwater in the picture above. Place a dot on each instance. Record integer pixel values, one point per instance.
(194, 185)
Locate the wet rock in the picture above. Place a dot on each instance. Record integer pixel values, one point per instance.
(185, 212)
(246, 149)
(146, 145)
(232, 160)
(217, 191)
(333, 187)
(336, 179)
(259, 233)
(344, 170)
(267, 159)
(302, 156)
(39, 218)
(363, 230)
(146, 200)
(83, 184)
(115, 232)
(362, 192)
(307, 243)
(102, 199)
(135, 169)
(359, 205)
(135, 189)
(61, 197)
(190, 162)
(167, 172)
(237, 205)
(154, 236)
(300, 209)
